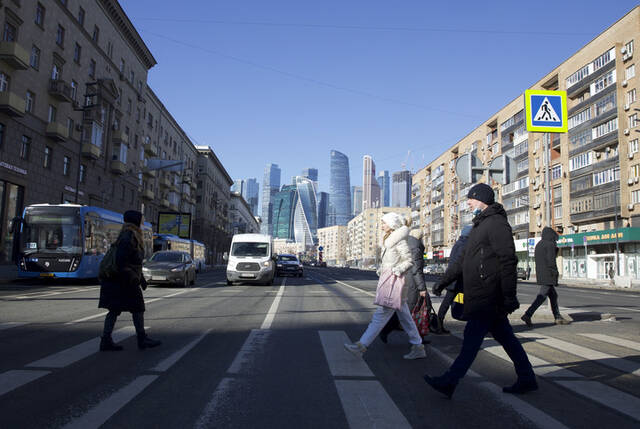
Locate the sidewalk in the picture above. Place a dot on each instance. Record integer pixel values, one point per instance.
(8, 273)
(593, 284)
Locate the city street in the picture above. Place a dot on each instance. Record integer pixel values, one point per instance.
(272, 357)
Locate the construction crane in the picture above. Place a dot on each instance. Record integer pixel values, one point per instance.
(406, 160)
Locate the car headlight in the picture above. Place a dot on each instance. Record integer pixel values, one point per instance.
(266, 264)
(279, 265)
(176, 269)
(145, 270)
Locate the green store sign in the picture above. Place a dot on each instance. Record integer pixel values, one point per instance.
(625, 235)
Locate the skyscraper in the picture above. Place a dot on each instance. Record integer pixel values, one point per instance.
(305, 219)
(238, 186)
(250, 193)
(370, 188)
(339, 190)
(311, 174)
(270, 185)
(323, 209)
(356, 197)
(401, 189)
(283, 207)
(384, 181)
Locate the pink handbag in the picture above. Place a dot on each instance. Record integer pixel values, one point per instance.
(389, 290)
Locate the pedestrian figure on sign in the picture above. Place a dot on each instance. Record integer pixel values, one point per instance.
(488, 268)
(396, 257)
(123, 292)
(545, 108)
(546, 252)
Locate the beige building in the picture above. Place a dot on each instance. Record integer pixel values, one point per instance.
(593, 169)
(333, 240)
(242, 219)
(364, 235)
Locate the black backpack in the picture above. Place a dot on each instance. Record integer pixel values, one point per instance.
(108, 266)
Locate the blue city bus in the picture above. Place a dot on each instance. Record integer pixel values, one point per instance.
(196, 249)
(68, 240)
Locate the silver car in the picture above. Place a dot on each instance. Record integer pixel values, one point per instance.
(170, 267)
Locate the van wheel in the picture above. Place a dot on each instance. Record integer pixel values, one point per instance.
(185, 280)
(229, 283)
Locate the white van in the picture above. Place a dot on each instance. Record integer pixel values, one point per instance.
(251, 259)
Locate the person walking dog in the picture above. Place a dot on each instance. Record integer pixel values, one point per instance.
(488, 267)
(123, 291)
(546, 276)
(396, 257)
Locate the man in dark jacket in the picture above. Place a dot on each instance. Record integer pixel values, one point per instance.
(455, 286)
(123, 293)
(488, 267)
(546, 276)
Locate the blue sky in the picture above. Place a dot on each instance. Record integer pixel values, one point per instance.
(287, 81)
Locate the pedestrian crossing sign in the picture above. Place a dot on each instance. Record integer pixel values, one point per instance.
(546, 111)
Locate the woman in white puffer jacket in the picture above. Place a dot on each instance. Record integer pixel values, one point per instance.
(396, 257)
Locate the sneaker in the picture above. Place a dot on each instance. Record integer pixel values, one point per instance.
(147, 343)
(442, 385)
(520, 387)
(527, 320)
(561, 321)
(357, 348)
(107, 345)
(417, 352)
(383, 336)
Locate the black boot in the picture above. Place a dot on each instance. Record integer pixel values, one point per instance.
(144, 342)
(441, 329)
(441, 384)
(107, 345)
(521, 386)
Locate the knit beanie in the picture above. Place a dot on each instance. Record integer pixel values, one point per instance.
(393, 220)
(133, 216)
(482, 192)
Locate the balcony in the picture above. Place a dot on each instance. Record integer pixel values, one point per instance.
(118, 167)
(91, 151)
(173, 207)
(60, 90)
(120, 137)
(148, 173)
(164, 203)
(149, 149)
(56, 131)
(165, 182)
(11, 104)
(14, 55)
(147, 194)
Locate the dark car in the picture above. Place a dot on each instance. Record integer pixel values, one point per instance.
(522, 273)
(288, 264)
(170, 267)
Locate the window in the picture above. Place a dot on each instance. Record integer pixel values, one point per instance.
(81, 15)
(581, 205)
(604, 59)
(47, 157)
(77, 52)
(29, 102)
(634, 171)
(633, 120)
(557, 211)
(110, 49)
(52, 114)
(629, 47)
(70, 127)
(556, 172)
(96, 34)
(522, 165)
(60, 36)
(25, 147)
(74, 90)
(1, 135)
(635, 196)
(606, 176)
(10, 33)
(34, 60)
(605, 104)
(606, 128)
(83, 169)
(579, 75)
(122, 66)
(579, 118)
(630, 71)
(66, 166)
(581, 183)
(633, 146)
(631, 96)
(582, 138)
(580, 161)
(39, 15)
(603, 82)
(4, 82)
(604, 201)
(55, 71)
(92, 68)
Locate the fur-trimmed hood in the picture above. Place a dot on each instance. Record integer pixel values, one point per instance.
(397, 235)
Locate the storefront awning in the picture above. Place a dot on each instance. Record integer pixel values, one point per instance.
(607, 236)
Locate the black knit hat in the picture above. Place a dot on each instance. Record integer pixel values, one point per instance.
(133, 216)
(482, 192)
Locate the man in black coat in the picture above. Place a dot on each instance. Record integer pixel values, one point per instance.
(546, 276)
(488, 267)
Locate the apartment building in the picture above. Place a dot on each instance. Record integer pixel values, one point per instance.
(241, 216)
(333, 240)
(592, 196)
(364, 236)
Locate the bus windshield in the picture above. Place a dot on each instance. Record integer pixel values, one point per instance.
(250, 249)
(52, 233)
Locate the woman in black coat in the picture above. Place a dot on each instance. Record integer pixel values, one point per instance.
(123, 292)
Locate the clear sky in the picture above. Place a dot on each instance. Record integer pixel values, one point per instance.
(287, 81)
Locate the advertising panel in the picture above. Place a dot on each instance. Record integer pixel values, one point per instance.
(175, 223)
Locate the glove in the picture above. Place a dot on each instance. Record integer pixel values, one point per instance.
(143, 283)
(510, 304)
(436, 289)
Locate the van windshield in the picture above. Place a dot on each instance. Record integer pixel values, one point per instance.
(250, 249)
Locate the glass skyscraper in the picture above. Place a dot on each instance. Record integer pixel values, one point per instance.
(251, 193)
(384, 181)
(356, 199)
(339, 190)
(270, 185)
(311, 174)
(401, 189)
(283, 207)
(305, 222)
(323, 209)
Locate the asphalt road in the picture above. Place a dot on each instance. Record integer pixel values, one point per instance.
(271, 357)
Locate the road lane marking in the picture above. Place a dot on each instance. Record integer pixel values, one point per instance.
(352, 287)
(96, 416)
(73, 354)
(18, 377)
(268, 320)
(593, 355)
(218, 399)
(9, 325)
(84, 319)
(36, 295)
(614, 340)
(627, 309)
(342, 363)
(175, 357)
(254, 343)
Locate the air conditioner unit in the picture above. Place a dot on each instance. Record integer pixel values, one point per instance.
(625, 57)
(630, 206)
(598, 154)
(534, 150)
(630, 181)
(539, 223)
(626, 131)
(630, 155)
(535, 188)
(625, 83)
(536, 206)
(626, 107)
(623, 50)
(636, 179)
(537, 169)
(608, 149)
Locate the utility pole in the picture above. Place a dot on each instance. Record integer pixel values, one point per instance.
(546, 141)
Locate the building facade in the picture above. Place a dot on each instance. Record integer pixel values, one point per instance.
(401, 189)
(384, 182)
(592, 193)
(323, 209)
(333, 240)
(305, 218)
(370, 188)
(251, 194)
(356, 197)
(282, 212)
(339, 189)
(242, 219)
(270, 186)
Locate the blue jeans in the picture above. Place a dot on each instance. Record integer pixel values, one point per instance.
(474, 333)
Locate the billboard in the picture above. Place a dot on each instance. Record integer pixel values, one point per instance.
(175, 223)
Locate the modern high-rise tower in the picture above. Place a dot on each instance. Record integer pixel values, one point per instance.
(283, 207)
(384, 181)
(305, 218)
(370, 188)
(356, 198)
(270, 185)
(339, 190)
(311, 174)
(251, 194)
(323, 209)
(401, 189)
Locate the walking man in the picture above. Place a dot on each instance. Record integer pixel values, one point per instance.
(546, 276)
(488, 267)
